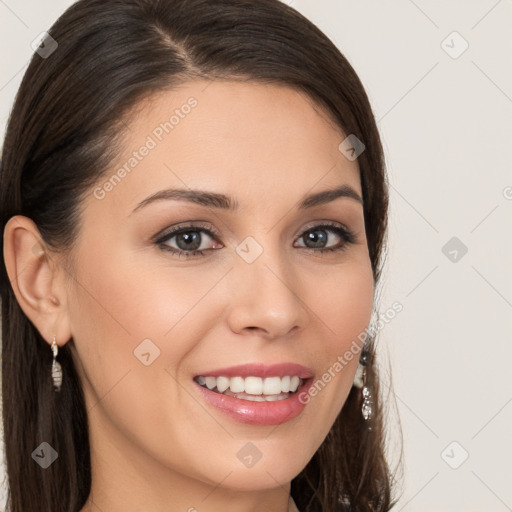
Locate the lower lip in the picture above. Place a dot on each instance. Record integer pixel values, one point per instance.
(257, 413)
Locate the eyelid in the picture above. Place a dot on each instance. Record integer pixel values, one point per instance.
(322, 223)
(164, 234)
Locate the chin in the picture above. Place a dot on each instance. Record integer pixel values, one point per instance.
(258, 479)
(268, 467)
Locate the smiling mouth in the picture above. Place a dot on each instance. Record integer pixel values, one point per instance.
(252, 388)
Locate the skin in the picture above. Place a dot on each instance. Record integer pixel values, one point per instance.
(155, 445)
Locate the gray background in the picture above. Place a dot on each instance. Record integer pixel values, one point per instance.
(445, 118)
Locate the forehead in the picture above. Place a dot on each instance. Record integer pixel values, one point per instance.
(245, 139)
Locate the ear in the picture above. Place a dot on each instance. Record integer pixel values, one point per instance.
(37, 278)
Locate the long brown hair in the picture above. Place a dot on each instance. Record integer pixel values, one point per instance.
(60, 140)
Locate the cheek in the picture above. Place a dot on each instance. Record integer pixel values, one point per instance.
(132, 294)
(344, 305)
(122, 301)
(131, 331)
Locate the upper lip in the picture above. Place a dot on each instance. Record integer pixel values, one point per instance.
(261, 370)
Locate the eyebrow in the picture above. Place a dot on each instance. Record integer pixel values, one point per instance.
(221, 201)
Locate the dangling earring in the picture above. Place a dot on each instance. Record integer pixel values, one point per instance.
(360, 382)
(56, 367)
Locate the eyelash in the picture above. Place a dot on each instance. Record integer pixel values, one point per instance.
(347, 236)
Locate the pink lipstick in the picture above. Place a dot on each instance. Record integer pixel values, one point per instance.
(256, 393)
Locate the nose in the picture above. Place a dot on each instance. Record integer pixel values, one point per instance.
(266, 297)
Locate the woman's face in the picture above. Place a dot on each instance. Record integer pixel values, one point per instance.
(147, 321)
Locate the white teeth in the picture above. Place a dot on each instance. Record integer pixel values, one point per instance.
(253, 386)
(272, 386)
(258, 398)
(222, 384)
(285, 384)
(252, 398)
(211, 382)
(237, 385)
(294, 383)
